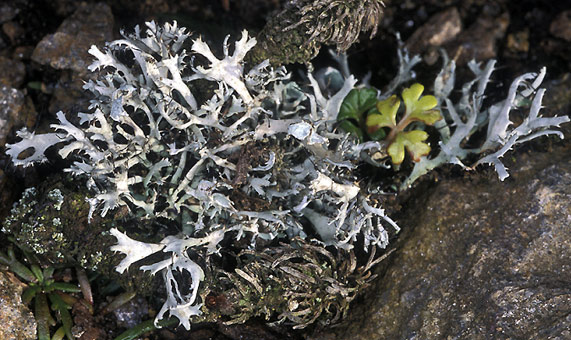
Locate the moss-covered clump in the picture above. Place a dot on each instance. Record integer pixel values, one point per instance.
(51, 221)
(296, 34)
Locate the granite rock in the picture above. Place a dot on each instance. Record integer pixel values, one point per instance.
(18, 322)
(483, 259)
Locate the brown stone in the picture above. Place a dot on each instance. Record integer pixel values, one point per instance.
(561, 26)
(438, 30)
(479, 40)
(13, 31)
(12, 72)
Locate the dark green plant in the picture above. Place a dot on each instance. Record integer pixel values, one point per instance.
(43, 288)
(361, 113)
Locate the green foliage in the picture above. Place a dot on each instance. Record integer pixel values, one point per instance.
(353, 110)
(381, 121)
(43, 288)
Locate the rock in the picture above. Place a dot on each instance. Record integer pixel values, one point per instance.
(7, 12)
(67, 48)
(12, 72)
(517, 42)
(68, 93)
(90, 24)
(13, 31)
(438, 30)
(558, 100)
(132, 313)
(483, 260)
(23, 52)
(16, 110)
(479, 40)
(561, 26)
(85, 325)
(18, 322)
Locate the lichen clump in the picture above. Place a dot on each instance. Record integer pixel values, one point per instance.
(255, 159)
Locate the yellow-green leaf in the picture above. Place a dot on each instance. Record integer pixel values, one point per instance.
(420, 109)
(413, 141)
(388, 113)
(410, 96)
(428, 117)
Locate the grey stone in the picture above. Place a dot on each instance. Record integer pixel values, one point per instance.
(16, 110)
(7, 12)
(12, 72)
(483, 260)
(18, 322)
(67, 48)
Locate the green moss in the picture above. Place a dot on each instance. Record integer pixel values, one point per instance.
(296, 34)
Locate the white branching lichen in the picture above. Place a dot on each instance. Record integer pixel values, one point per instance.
(257, 157)
(468, 116)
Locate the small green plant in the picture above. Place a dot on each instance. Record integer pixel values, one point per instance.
(43, 288)
(361, 111)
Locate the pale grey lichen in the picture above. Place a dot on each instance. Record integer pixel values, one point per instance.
(56, 197)
(256, 158)
(468, 116)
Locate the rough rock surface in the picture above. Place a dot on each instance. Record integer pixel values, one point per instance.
(479, 40)
(561, 26)
(17, 320)
(16, 110)
(67, 49)
(484, 260)
(12, 72)
(441, 28)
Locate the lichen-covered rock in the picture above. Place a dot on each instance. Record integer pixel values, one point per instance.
(17, 320)
(485, 260)
(296, 34)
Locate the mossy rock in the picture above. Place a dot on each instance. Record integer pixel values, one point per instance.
(51, 221)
